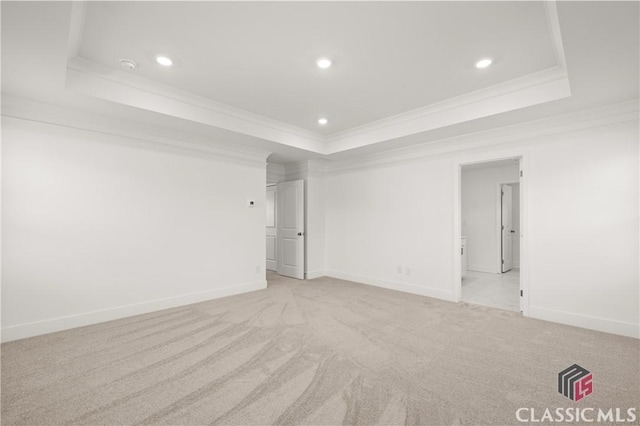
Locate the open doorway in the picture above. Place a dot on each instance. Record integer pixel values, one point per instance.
(285, 239)
(490, 230)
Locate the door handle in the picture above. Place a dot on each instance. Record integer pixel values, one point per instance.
(512, 231)
(300, 234)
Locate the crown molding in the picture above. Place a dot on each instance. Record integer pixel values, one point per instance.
(126, 88)
(56, 115)
(306, 169)
(102, 82)
(530, 130)
(543, 86)
(317, 167)
(553, 21)
(76, 28)
(532, 89)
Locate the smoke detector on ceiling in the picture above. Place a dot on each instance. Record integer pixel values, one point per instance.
(128, 64)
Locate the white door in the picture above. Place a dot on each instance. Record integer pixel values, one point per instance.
(290, 228)
(507, 229)
(272, 231)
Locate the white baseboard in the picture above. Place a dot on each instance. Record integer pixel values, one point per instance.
(586, 321)
(315, 274)
(22, 331)
(394, 285)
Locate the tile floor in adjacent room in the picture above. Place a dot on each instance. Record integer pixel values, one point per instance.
(495, 290)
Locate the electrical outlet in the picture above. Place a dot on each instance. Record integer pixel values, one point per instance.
(258, 269)
(399, 269)
(407, 270)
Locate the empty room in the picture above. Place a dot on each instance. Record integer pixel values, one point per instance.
(323, 213)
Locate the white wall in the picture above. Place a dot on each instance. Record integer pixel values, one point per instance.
(98, 227)
(391, 226)
(582, 225)
(480, 214)
(315, 228)
(583, 209)
(275, 173)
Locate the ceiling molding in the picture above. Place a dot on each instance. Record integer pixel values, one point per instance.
(117, 86)
(544, 86)
(531, 130)
(77, 25)
(317, 168)
(114, 85)
(39, 112)
(553, 21)
(76, 28)
(103, 82)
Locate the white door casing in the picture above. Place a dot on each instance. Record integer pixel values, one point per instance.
(272, 230)
(507, 228)
(290, 229)
(524, 181)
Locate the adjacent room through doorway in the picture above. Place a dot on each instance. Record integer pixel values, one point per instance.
(491, 234)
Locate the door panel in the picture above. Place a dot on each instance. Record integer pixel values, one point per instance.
(289, 252)
(290, 218)
(272, 232)
(507, 228)
(271, 252)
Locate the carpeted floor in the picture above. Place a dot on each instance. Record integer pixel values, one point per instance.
(316, 352)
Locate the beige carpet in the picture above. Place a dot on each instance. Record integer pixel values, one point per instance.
(317, 352)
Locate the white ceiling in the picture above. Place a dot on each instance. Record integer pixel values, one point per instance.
(389, 58)
(244, 72)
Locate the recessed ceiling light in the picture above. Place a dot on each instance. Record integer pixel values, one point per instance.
(128, 64)
(323, 63)
(163, 60)
(483, 63)
(322, 121)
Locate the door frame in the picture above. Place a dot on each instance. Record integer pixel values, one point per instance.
(525, 178)
(499, 219)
